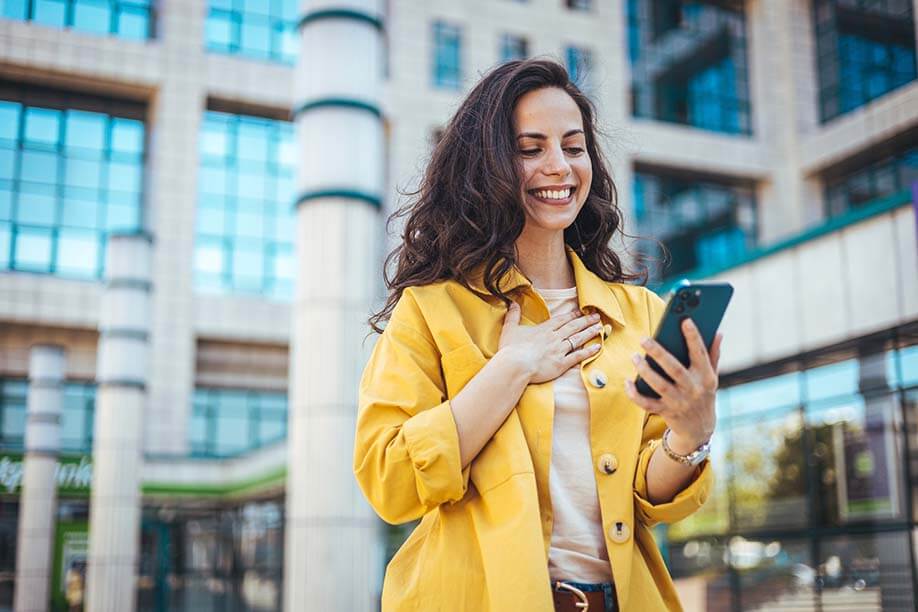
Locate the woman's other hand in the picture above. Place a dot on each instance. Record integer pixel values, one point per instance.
(549, 349)
(688, 403)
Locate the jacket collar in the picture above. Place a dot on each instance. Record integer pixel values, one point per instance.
(592, 291)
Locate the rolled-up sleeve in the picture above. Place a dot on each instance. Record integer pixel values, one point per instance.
(696, 492)
(406, 449)
(686, 501)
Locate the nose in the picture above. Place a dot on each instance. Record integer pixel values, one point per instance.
(555, 163)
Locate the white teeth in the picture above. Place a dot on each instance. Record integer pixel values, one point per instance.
(550, 194)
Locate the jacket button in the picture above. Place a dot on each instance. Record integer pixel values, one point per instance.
(598, 379)
(607, 463)
(619, 532)
(607, 330)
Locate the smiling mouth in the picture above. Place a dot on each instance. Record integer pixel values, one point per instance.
(553, 196)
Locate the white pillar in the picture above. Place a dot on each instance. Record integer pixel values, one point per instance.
(121, 371)
(38, 500)
(333, 550)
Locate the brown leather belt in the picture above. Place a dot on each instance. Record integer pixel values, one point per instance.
(571, 599)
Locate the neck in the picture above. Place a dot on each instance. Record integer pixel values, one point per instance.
(542, 259)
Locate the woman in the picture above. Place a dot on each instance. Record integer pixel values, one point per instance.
(497, 404)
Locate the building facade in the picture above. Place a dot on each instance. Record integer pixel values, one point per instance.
(185, 184)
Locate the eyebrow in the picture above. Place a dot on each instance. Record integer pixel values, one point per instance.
(539, 136)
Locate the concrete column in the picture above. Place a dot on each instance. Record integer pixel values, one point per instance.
(38, 501)
(121, 371)
(333, 551)
(782, 85)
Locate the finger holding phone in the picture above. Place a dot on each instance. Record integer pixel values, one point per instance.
(687, 402)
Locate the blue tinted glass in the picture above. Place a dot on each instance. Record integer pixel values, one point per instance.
(42, 126)
(38, 166)
(124, 177)
(7, 164)
(908, 364)
(257, 7)
(78, 253)
(84, 173)
(37, 204)
(6, 243)
(52, 13)
(6, 203)
(78, 210)
(776, 392)
(221, 32)
(255, 37)
(15, 9)
(239, 197)
(32, 249)
(84, 129)
(92, 16)
(122, 217)
(832, 380)
(9, 120)
(133, 23)
(127, 135)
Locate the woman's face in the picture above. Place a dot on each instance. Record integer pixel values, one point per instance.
(556, 168)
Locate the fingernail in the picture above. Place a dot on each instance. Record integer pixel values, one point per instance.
(636, 359)
(645, 342)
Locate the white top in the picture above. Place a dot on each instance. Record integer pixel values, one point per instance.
(578, 548)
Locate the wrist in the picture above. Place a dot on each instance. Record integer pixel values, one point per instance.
(515, 361)
(683, 445)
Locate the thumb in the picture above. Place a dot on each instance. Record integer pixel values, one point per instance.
(513, 315)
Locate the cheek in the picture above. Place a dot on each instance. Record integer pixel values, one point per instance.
(584, 170)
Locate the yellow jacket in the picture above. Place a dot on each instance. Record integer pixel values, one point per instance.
(483, 541)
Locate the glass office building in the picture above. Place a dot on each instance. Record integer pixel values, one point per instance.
(770, 145)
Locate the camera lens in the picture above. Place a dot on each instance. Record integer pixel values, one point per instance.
(679, 308)
(693, 301)
(683, 295)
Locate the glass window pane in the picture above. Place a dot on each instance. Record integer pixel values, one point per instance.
(78, 253)
(7, 164)
(42, 126)
(37, 204)
(866, 572)
(38, 167)
(15, 9)
(82, 208)
(85, 129)
(127, 135)
(768, 470)
(84, 173)
(256, 38)
(52, 13)
(221, 31)
(124, 177)
(13, 422)
(32, 249)
(775, 392)
(92, 16)
(774, 574)
(6, 243)
(832, 380)
(858, 455)
(133, 23)
(210, 257)
(9, 120)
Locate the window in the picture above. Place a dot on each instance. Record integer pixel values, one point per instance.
(513, 47)
(688, 63)
(865, 50)
(229, 421)
(245, 226)
(131, 19)
(260, 29)
(579, 63)
(71, 171)
(447, 59)
(702, 222)
(814, 454)
(857, 186)
(76, 415)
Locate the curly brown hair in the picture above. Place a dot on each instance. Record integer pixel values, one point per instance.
(468, 209)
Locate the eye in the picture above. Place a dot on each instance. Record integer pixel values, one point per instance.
(575, 150)
(529, 152)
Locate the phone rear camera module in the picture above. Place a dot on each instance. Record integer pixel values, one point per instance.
(679, 308)
(693, 301)
(683, 295)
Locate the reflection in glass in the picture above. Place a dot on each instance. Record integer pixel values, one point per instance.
(124, 18)
(774, 574)
(857, 453)
(866, 573)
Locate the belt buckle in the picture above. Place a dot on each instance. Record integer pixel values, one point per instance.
(584, 603)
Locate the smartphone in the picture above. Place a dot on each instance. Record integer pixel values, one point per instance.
(703, 303)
